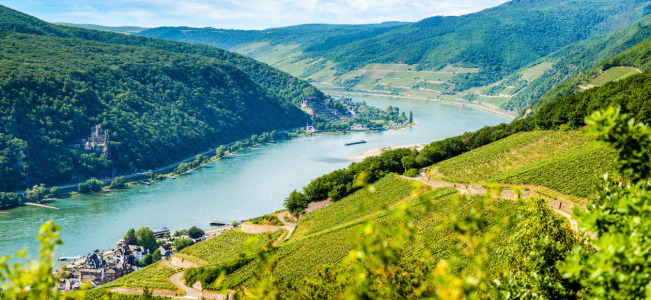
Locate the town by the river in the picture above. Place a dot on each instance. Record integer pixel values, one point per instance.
(246, 185)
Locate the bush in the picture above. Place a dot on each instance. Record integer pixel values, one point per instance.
(90, 186)
(413, 173)
(118, 183)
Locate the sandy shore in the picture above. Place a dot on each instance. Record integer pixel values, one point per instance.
(378, 151)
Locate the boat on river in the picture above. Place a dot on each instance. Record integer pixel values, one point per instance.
(355, 143)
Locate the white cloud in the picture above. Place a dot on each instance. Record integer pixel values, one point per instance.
(243, 14)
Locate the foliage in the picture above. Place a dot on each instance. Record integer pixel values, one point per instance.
(33, 281)
(182, 98)
(145, 237)
(615, 263)
(180, 244)
(37, 193)
(118, 183)
(270, 219)
(413, 173)
(498, 40)
(630, 94)
(90, 186)
(532, 256)
(9, 199)
(130, 237)
(195, 232)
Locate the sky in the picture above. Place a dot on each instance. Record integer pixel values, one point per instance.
(242, 14)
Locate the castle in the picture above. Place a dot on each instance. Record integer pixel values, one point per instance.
(98, 141)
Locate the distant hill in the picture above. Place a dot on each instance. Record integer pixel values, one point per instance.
(489, 56)
(116, 29)
(160, 101)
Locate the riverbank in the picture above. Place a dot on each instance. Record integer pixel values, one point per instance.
(511, 115)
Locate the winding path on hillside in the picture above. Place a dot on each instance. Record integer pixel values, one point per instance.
(190, 293)
(506, 194)
(289, 226)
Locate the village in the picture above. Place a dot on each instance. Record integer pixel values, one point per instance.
(103, 266)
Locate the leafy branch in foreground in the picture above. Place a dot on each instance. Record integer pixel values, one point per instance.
(34, 281)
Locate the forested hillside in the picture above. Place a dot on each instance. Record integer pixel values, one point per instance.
(629, 62)
(160, 101)
(495, 56)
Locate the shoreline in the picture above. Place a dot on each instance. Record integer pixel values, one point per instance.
(509, 115)
(379, 150)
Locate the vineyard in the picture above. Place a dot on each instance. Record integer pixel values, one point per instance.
(327, 243)
(574, 172)
(562, 161)
(227, 246)
(381, 194)
(510, 153)
(152, 277)
(614, 74)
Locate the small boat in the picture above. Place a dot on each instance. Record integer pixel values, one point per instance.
(355, 143)
(159, 233)
(217, 223)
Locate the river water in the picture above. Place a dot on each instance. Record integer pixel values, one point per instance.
(249, 184)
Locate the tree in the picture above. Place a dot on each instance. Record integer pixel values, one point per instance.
(145, 237)
(408, 162)
(179, 244)
(146, 260)
(130, 237)
(195, 233)
(118, 183)
(54, 192)
(90, 186)
(156, 255)
(411, 117)
(37, 193)
(220, 152)
(295, 202)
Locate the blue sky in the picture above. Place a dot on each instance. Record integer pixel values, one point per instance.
(241, 14)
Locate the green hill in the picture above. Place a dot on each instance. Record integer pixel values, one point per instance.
(160, 101)
(495, 56)
(630, 62)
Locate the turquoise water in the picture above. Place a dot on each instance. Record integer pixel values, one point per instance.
(249, 184)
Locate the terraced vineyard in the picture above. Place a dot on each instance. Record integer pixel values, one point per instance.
(381, 194)
(304, 257)
(227, 246)
(574, 172)
(562, 161)
(152, 277)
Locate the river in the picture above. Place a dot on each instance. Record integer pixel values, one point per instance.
(249, 184)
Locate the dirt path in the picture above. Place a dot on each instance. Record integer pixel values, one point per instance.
(288, 226)
(466, 189)
(190, 293)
